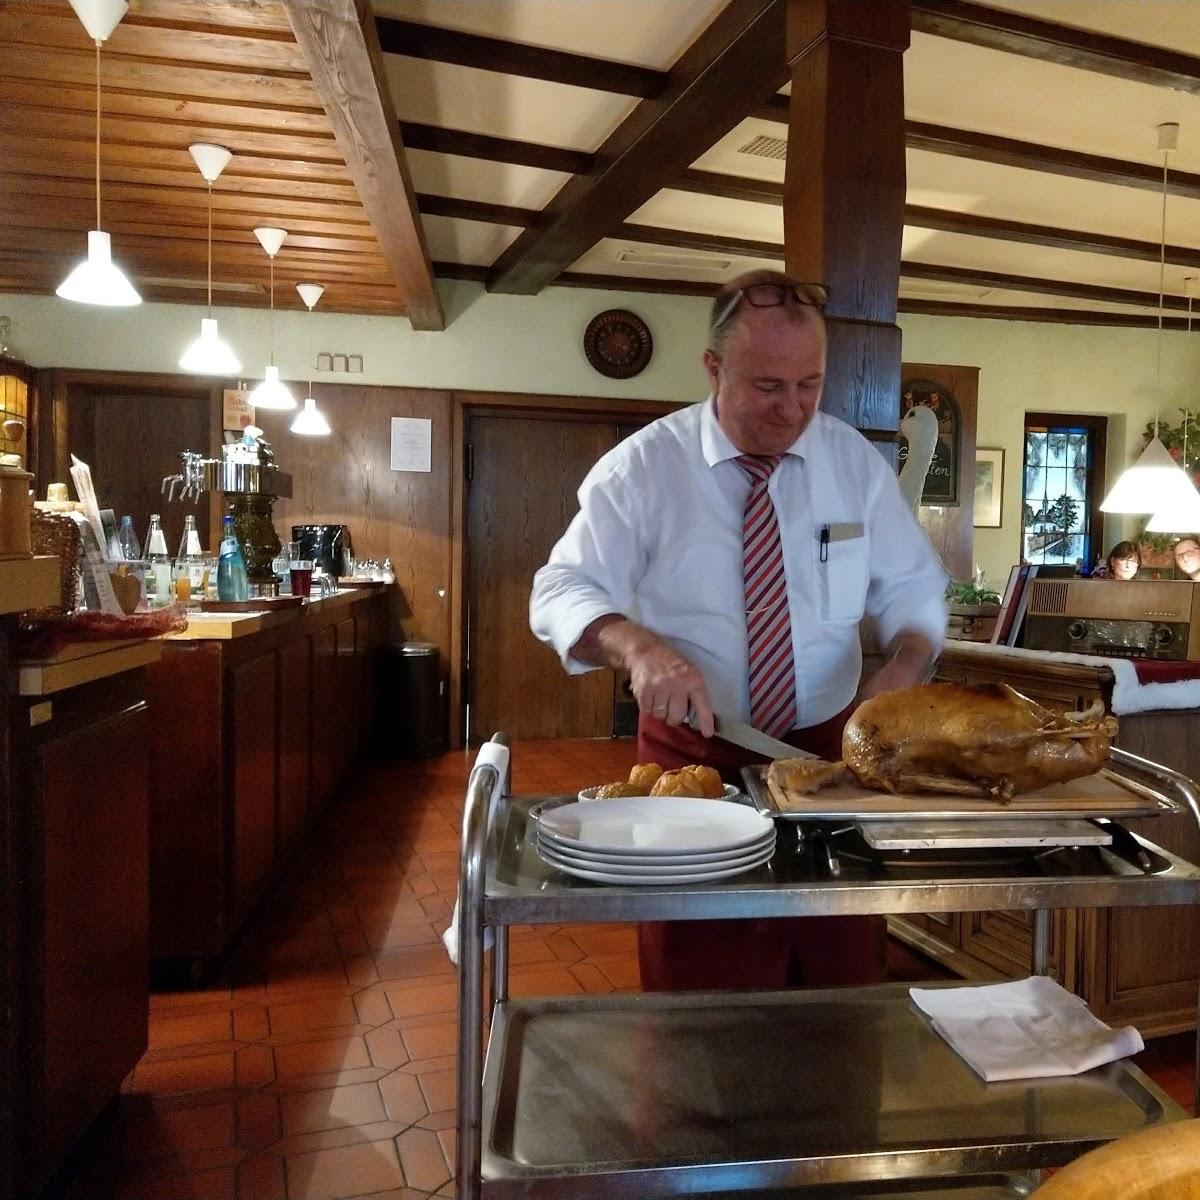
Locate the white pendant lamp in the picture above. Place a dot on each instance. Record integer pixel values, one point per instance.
(1156, 482)
(310, 421)
(98, 280)
(208, 354)
(1185, 516)
(272, 392)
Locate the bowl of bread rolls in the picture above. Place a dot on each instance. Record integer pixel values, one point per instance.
(649, 779)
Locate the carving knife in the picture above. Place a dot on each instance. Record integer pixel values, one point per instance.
(749, 738)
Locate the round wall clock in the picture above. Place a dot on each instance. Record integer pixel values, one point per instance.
(618, 343)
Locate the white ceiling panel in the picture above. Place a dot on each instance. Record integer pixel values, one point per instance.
(940, 181)
(970, 87)
(630, 31)
(1168, 23)
(480, 179)
(916, 289)
(472, 242)
(1015, 258)
(529, 110)
(712, 214)
(613, 256)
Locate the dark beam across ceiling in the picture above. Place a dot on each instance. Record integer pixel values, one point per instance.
(415, 40)
(1051, 42)
(473, 210)
(1056, 316)
(494, 149)
(337, 39)
(716, 81)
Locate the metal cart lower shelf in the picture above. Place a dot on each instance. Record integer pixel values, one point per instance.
(653, 1094)
(842, 1091)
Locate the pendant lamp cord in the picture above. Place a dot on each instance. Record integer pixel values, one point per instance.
(1162, 275)
(98, 135)
(209, 247)
(1186, 414)
(272, 317)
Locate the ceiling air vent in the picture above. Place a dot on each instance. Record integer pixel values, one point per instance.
(766, 147)
(680, 262)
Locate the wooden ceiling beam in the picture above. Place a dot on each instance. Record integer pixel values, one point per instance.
(495, 149)
(477, 210)
(1031, 156)
(978, 277)
(974, 225)
(341, 47)
(716, 81)
(432, 42)
(1056, 316)
(1015, 33)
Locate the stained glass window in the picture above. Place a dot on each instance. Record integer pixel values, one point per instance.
(1059, 491)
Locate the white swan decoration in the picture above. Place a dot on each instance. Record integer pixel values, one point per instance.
(919, 428)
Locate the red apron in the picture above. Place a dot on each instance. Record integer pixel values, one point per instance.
(755, 953)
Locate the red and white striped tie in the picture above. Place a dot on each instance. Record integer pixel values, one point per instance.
(768, 617)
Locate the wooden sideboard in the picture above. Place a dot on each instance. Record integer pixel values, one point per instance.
(1136, 966)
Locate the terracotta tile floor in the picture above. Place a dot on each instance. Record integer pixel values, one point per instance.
(320, 1065)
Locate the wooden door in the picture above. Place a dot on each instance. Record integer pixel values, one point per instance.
(521, 497)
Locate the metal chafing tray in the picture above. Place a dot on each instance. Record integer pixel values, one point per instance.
(1130, 787)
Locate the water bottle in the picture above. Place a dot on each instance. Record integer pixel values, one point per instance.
(127, 539)
(158, 570)
(189, 563)
(232, 583)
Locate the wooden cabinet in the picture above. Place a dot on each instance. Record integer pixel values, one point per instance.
(77, 990)
(295, 724)
(252, 737)
(253, 741)
(1133, 966)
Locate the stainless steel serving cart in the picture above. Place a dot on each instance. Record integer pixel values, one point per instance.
(847, 1092)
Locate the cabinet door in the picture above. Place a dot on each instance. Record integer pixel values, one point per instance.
(90, 917)
(295, 771)
(326, 715)
(1003, 941)
(350, 691)
(252, 739)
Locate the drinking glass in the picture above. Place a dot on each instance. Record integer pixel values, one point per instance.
(301, 573)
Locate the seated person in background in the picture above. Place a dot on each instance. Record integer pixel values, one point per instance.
(1123, 562)
(1187, 557)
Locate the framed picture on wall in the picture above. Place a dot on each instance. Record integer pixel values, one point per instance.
(989, 487)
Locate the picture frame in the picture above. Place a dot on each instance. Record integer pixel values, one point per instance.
(989, 487)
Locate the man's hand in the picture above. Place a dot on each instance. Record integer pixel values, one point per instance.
(911, 657)
(664, 683)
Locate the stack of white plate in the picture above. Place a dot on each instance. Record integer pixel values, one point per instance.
(655, 840)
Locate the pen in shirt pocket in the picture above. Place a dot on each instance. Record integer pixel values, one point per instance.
(824, 543)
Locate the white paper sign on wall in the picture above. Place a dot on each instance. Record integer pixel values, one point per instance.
(412, 444)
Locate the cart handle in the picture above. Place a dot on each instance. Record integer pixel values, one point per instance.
(468, 1153)
(1172, 782)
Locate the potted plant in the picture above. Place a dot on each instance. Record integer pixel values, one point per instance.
(973, 611)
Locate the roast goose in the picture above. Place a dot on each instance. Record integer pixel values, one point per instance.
(971, 740)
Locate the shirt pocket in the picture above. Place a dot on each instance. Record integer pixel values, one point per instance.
(843, 578)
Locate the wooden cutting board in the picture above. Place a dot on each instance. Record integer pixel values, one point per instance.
(1103, 793)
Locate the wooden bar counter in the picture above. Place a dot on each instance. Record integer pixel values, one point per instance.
(1136, 966)
(258, 720)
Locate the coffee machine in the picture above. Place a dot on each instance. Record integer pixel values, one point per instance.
(328, 546)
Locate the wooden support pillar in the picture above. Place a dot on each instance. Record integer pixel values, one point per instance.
(843, 208)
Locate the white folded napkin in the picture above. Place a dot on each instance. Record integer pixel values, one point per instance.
(496, 755)
(1028, 1029)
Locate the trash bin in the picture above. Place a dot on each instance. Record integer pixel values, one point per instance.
(412, 715)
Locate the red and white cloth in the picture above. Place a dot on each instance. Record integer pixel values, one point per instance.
(1139, 685)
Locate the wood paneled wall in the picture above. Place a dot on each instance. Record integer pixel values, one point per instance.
(347, 479)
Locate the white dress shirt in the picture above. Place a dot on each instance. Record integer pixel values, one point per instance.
(658, 539)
